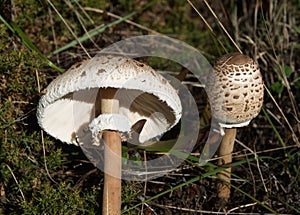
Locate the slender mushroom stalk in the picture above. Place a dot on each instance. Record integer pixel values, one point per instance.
(225, 152)
(112, 140)
(235, 90)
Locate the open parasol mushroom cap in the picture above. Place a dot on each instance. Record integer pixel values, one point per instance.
(69, 110)
(235, 90)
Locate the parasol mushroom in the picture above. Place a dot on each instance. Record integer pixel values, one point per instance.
(235, 91)
(101, 100)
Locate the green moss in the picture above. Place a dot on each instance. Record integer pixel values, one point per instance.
(59, 199)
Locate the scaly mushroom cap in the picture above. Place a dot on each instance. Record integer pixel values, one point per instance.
(235, 90)
(68, 109)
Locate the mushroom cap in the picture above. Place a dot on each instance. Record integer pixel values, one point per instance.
(235, 90)
(68, 109)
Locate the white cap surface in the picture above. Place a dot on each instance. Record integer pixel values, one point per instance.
(235, 90)
(67, 109)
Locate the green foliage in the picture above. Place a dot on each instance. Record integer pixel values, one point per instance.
(130, 192)
(12, 66)
(278, 86)
(59, 199)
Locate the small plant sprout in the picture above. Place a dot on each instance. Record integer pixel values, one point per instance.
(235, 91)
(99, 102)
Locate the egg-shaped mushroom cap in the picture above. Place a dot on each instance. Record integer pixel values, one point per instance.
(67, 110)
(235, 90)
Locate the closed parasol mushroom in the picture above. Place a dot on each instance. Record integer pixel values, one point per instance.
(235, 91)
(101, 100)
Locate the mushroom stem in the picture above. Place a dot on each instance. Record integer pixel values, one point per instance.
(225, 152)
(112, 157)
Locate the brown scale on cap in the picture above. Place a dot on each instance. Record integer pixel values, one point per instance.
(235, 89)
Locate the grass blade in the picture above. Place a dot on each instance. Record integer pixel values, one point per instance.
(15, 29)
(101, 29)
